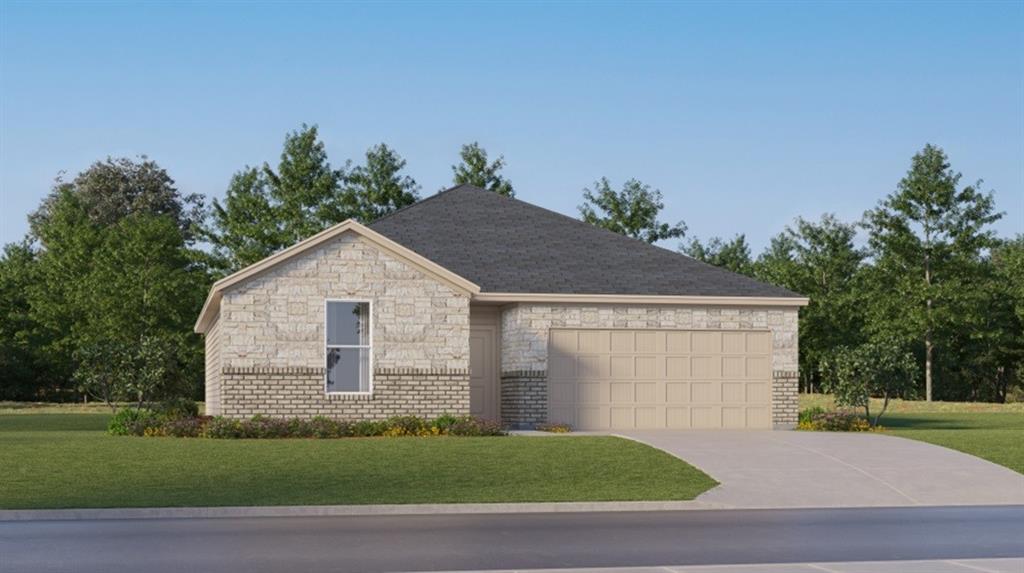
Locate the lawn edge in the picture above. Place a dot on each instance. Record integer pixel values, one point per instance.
(349, 510)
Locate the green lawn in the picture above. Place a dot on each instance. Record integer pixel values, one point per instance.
(994, 432)
(67, 460)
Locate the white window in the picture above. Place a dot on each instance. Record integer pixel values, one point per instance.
(348, 345)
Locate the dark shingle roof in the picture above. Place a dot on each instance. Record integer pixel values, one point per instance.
(507, 245)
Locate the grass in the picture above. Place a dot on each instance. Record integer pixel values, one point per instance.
(994, 432)
(67, 460)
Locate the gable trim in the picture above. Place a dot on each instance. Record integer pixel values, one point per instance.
(211, 307)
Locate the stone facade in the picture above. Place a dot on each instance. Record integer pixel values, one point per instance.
(269, 337)
(524, 398)
(525, 329)
(277, 319)
(299, 392)
(785, 399)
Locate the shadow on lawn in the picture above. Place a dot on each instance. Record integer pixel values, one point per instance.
(955, 421)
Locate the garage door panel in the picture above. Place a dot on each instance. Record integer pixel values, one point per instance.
(677, 392)
(705, 417)
(734, 367)
(635, 378)
(759, 367)
(677, 418)
(759, 343)
(646, 418)
(706, 367)
(677, 367)
(677, 342)
(734, 343)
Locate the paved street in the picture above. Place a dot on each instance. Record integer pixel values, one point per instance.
(524, 541)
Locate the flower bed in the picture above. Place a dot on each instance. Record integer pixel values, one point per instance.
(820, 420)
(149, 424)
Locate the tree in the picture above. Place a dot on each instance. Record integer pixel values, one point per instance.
(819, 260)
(378, 188)
(475, 170)
(632, 212)
(733, 255)
(115, 188)
(875, 369)
(113, 282)
(27, 373)
(140, 298)
(266, 210)
(926, 238)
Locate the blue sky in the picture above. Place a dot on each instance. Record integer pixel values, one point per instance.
(745, 115)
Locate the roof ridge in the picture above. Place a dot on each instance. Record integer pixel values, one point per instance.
(424, 200)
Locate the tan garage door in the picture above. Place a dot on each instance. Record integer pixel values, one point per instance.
(619, 379)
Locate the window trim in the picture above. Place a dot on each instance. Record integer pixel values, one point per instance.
(326, 346)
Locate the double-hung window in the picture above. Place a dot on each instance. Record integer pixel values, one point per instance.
(348, 347)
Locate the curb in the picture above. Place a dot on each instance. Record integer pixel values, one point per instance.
(348, 510)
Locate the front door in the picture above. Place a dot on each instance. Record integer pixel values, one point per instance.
(483, 373)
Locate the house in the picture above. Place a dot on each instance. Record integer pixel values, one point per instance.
(471, 302)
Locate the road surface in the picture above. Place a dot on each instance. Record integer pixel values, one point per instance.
(521, 541)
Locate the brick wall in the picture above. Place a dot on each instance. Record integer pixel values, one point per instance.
(524, 398)
(299, 392)
(785, 398)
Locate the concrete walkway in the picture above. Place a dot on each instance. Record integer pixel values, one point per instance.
(934, 566)
(765, 469)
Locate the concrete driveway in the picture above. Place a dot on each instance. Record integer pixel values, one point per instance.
(765, 469)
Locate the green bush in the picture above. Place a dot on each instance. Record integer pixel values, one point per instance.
(807, 415)
(131, 422)
(834, 421)
(554, 428)
(176, 408)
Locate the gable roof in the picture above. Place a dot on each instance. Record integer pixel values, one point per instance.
(509, 246)
(212, 304)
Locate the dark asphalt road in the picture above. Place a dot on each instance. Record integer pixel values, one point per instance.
(459, 542)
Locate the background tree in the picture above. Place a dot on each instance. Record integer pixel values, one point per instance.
(632, 212)
(378, 187)
(819, 260)
(733, 255)
(115, 188)
(476, 170)
(926, 239)
(27, 373)
(266, 210)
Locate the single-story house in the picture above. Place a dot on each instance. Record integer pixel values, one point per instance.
(471, 302)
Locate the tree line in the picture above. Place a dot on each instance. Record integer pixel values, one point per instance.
(100, 297)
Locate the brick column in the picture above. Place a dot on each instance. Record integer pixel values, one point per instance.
(524, 398)
(785, 399)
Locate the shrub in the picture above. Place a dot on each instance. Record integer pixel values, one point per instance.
(470, 426)
(223, 428)
(807, 415)
(554, 428)
(406, 426)
(834, 421)
(367, 428)
(130, 422)
(176, 408)
(184, 427)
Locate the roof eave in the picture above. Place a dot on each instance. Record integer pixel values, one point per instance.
(512, 297)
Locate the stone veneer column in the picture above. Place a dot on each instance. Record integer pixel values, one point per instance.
(785, 399)
(524, 398)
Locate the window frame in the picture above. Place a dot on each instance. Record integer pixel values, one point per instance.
(368, 347)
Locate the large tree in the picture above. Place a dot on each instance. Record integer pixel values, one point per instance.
(113, 280)
(378, 187)
(821, 261)
(268, 209)
(733, 254)
(115, 188)
(926, 239)
(633, 211)
(475, 169)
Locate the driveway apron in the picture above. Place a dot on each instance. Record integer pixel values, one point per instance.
(772, 469)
